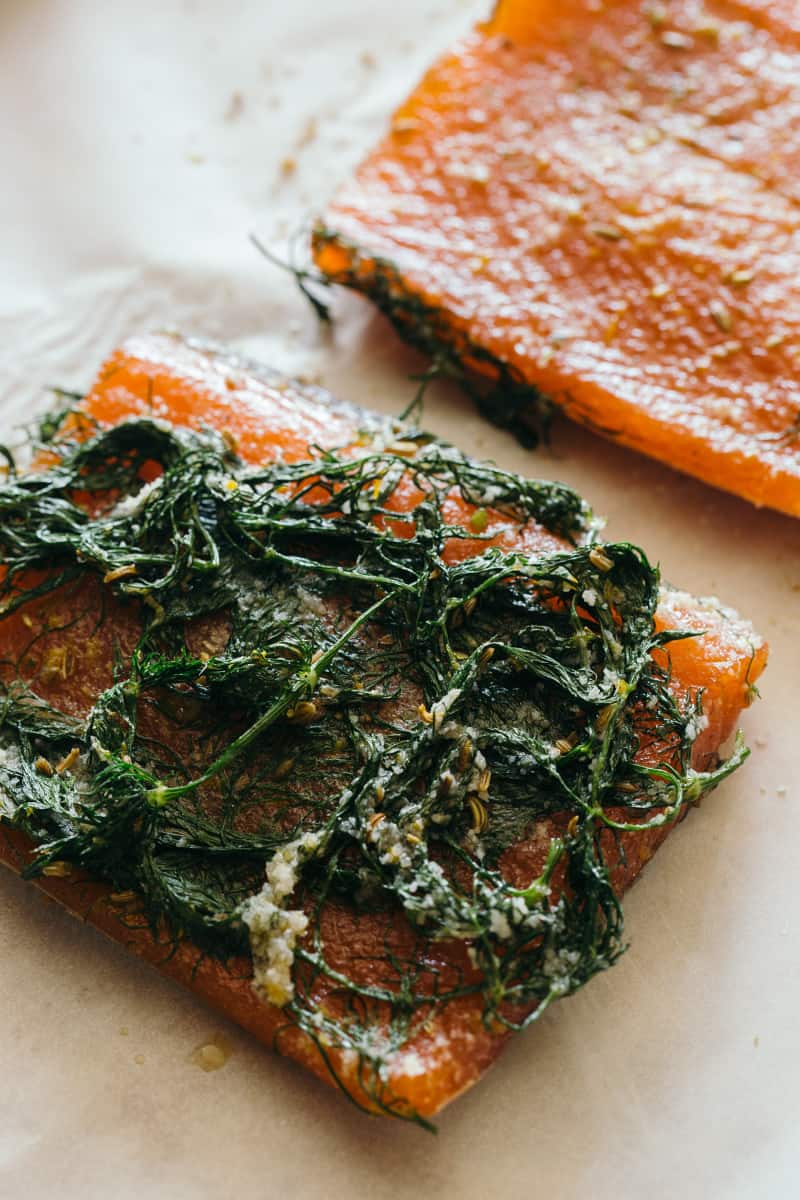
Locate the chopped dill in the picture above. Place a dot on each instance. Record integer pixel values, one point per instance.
(301, 672)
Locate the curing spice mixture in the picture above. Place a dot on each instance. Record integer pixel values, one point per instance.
(387, 728)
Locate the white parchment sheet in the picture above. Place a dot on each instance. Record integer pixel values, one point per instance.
(142, 142)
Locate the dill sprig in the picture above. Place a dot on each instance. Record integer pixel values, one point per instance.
(393, 719)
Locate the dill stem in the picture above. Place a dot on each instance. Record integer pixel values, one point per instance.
(311, 564)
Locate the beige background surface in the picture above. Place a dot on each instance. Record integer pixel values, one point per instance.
(142, 142)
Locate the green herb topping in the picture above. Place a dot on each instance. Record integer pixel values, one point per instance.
(370, 727)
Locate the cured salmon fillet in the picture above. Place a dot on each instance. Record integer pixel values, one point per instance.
(597, 203)
(70, 642)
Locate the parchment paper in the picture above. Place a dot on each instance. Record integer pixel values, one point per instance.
(142, 142)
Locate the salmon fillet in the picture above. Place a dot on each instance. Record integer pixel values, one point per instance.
(73, 636)
(597, 204)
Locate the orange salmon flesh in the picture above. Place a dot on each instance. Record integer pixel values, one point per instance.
(602, 200)
(192, 386)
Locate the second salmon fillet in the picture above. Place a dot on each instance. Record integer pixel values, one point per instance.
(596, 205)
